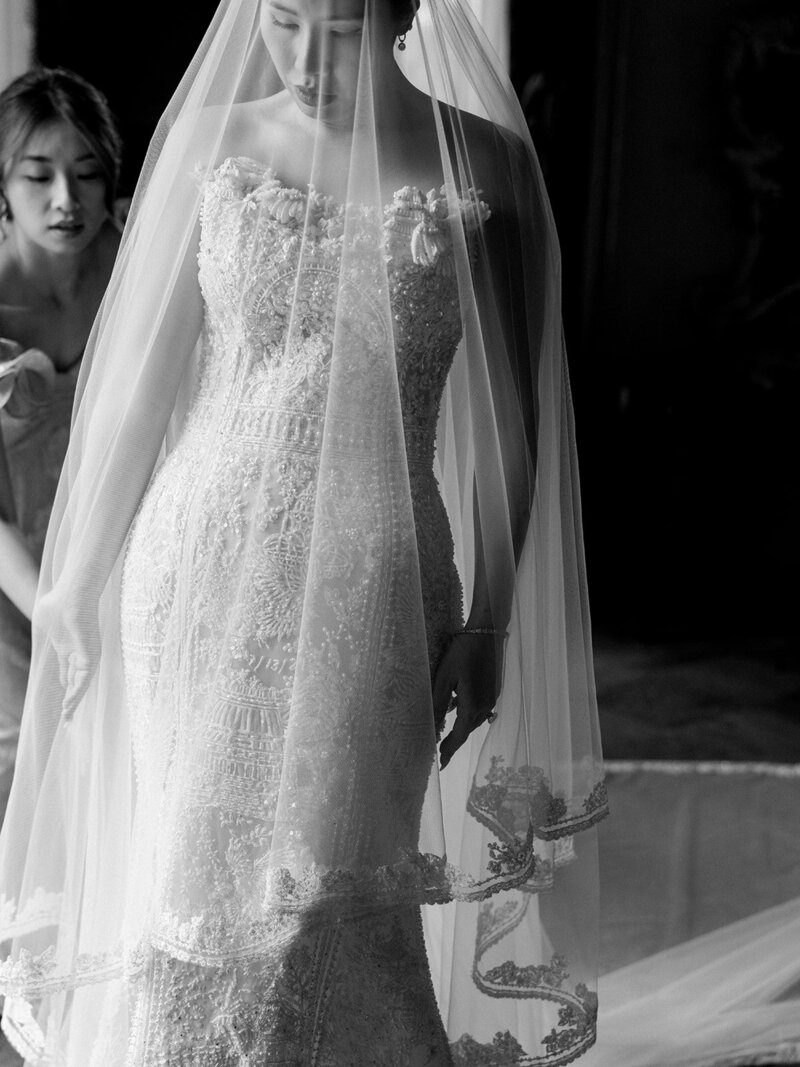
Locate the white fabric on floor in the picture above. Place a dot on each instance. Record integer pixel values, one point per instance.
(700, 883)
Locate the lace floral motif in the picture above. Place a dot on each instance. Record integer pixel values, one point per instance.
(306, 1004)
(220, 554)
(574, 1035)
(518, 803)
(577, 1008)
(504, 1051)
(35, 976)
(40, 907)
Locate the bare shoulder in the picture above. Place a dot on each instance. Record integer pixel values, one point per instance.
(251, 129)
(496, 153)
(214, 133)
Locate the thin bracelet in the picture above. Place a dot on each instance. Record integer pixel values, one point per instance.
(482, 630)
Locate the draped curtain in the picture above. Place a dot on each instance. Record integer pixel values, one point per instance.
(16, 39)
(493, 15)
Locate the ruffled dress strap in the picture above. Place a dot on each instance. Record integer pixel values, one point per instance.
(27, 379)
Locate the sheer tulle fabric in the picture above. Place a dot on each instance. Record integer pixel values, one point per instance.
(300, 401)
(700, 876)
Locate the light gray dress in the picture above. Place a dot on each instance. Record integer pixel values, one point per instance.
(35, 411)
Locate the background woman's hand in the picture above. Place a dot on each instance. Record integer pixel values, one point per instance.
(472, 669)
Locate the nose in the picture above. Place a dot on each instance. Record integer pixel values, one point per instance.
(65, 194)
(309, 59)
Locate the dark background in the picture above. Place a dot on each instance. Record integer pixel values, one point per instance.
(669, 139)
(667, 131)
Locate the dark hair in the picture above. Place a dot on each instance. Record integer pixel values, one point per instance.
(43, 96)
(404, 9)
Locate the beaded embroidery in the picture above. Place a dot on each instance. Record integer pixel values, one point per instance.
(246, 963)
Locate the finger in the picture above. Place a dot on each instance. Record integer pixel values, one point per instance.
(443, 686)
(471, 715)
(462, 728)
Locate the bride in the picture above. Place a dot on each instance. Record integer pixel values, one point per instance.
(319, 515)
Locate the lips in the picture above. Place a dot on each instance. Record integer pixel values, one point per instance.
(69, 229)
(313, 97)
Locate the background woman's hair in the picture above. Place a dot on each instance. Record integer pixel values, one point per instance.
(42, 96)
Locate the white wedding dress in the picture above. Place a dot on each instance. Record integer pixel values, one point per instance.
(311, 435)
(219, 988)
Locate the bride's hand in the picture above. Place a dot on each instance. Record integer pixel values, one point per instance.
(72, 627)
(470, 672)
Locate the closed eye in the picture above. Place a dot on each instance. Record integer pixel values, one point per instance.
(283, 25)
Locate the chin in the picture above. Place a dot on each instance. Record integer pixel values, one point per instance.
(70, 245)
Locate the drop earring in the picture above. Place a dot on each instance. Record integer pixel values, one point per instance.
(401, 41)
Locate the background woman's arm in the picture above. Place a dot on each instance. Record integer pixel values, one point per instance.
(119, 448)
(19, 571)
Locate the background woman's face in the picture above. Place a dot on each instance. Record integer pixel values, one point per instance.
(316, 48)
(56, 190)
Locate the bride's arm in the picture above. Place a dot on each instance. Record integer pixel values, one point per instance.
(137, 440)
(121, 437)
(510, 293)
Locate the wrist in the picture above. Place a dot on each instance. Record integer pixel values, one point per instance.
(483, 618)
(481, 631)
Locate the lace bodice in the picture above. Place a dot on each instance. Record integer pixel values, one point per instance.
(250, 252)
(224, 533)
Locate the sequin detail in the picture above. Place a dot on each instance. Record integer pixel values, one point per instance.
(229, 517)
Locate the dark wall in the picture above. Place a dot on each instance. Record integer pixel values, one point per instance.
(138, 67)
(671, 150)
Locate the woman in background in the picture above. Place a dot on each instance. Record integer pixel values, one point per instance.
(59, 164)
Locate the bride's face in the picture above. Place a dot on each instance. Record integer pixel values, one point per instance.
(316, 48)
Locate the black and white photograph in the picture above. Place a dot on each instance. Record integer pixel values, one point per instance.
(399, 511)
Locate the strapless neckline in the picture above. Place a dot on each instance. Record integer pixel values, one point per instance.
(434, 202)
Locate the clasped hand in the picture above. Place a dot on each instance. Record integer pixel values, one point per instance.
(472, 670)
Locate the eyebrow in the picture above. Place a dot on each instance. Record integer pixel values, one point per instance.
(48, 159)
(338, 18)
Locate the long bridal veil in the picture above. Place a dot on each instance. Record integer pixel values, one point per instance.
(118, 844)
(700, 881)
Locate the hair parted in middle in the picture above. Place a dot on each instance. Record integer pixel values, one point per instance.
(46, 95)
